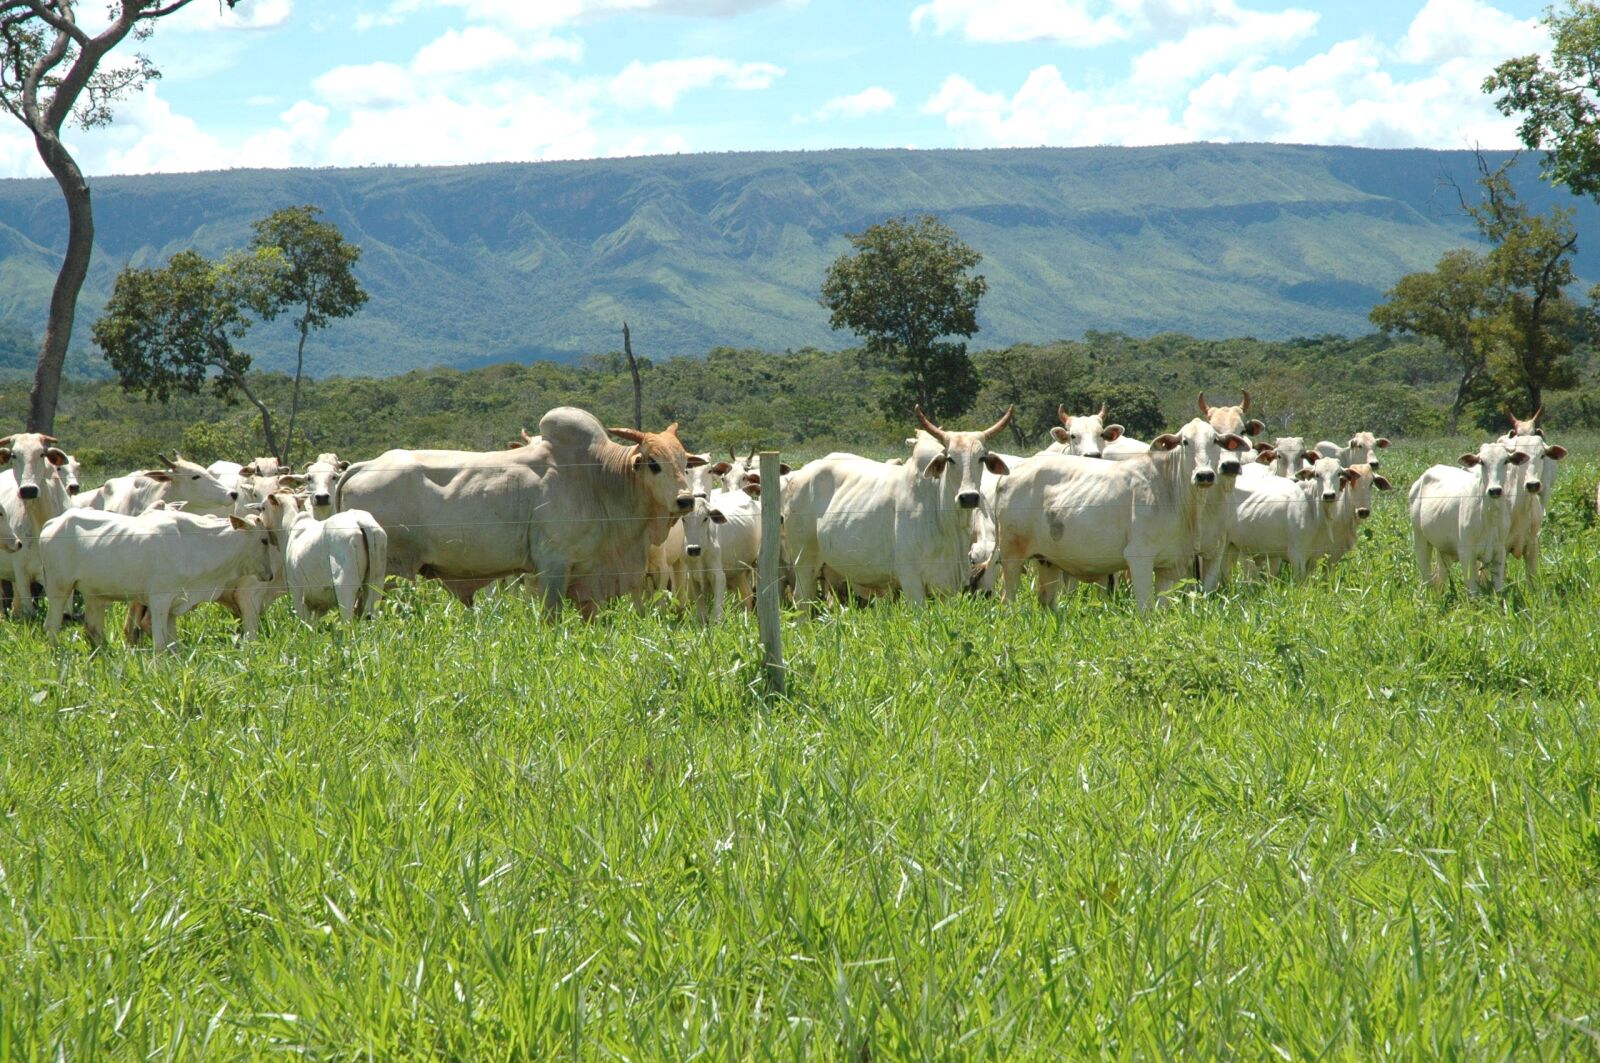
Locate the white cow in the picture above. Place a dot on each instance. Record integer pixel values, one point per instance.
(1531, 501)
(322, 476)
(1155, 515)
(68, 472)
(31, 493)
(167, 560)
(878, 526)
(337, 563)
(1465, 515)
(1280, 519)
(1285, 457)
(181, 483)
(722, 544)
(1232, 419)
(573, 507)
(1087, 437)
(1353, 507)
(1361, 450)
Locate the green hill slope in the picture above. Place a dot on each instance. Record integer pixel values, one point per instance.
(474, 265)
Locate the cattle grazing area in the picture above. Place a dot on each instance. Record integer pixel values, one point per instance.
(1344, 817)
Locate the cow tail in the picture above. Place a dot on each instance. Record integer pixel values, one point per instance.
(376, 543)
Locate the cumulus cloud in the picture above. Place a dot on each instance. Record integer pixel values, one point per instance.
(552, 14)
(1046, 111)
(1240, 35)
(1081, 23)
(1467, 29)
(368, 85)
(660, 84)
(254, 15)
(874, 100)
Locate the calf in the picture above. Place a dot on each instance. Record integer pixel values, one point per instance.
(335, 563)
(1464, 514)
(167, 560)
(722, 543)
(1280, 519)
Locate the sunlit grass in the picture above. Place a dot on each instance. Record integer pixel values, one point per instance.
(1338, 819)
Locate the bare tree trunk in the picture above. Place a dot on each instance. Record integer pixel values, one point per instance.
(294, 403)
(69, 282)
(266, 416)
(633, 367)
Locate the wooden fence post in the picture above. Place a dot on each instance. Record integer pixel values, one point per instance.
(769, 578)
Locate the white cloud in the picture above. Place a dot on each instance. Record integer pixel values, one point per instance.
(503, 125)
(249, 15)
(1045, 111)
(294, 142)
(659, 84)
(367, 85)
(474, 48)
(1460, 29)
(1240, 35)
(874, 100)
(1072, 22)
(551, 14)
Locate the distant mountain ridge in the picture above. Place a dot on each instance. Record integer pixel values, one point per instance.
(471, 265)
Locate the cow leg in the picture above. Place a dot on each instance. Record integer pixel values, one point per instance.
(24, 594)
(1530, 557)
(1469, 572)
(161, 624)
(1011, 576)
(805, 582)
(136, 623)
(1424, 558)
(1141, 574)
(1499, 570)
(1047, 583)
(719, 591)
(94, 619)
(59, 596)
(912, 587)
(552, 588)
(301, 609)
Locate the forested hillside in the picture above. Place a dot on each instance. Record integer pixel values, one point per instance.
(469, 266)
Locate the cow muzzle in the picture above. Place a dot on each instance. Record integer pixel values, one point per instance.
(233, 496)
(28, 491)
(1363, 513)
(1330, 496)
(1534, 487)
(967, 500)
(692, 551)
(685, 502)
(1230, 468)
(73, 489)
(321, 500)
(1496, 492)
(1205, 478)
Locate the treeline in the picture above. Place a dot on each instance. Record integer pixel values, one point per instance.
(808, 401)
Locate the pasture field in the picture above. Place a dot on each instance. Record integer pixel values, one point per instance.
(1336, 820)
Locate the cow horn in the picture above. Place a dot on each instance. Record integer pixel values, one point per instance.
(526, 438)
(53, 439)
(6, 441)
(1513, 415)
(1205, 411)
(632, 435)
(1061, 412)
(168, 462)
(1102, 413)
(1000, 425)
(1537, 414)
(1244, 401)
(929, 427)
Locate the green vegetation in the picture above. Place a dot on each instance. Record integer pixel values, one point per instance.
(1342, 820)
(1558, 97)
(469, 266)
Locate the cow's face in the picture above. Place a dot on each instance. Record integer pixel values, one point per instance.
(193, 486)
(965, 455)
(662, 466)
(1359, 481)
(33, 460)
(700, 528)
(1289, 456)
(1495, 464)
(1364, 448)
(67, 473)
(1540, 475)
(1232, 419)
(1326, 477)
(1085, 436)
(1204, 452)
(256, 541)
(322, 476)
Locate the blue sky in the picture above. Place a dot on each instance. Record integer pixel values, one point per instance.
(357, 82)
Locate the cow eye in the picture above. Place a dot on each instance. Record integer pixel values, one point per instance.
(655, 466)
(196, 476)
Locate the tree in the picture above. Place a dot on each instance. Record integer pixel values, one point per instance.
(306, 266)
(904, 287)
(1451, 305)
(174, 328)
(1559, 102)
(50, 73)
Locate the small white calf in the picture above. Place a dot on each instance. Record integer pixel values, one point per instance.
(722, 543)
(1279, 519)
(338, 563)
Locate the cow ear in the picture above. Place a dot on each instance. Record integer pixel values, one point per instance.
(1381, 484)
(936, 466)
(1519, 458)
(753, 490)
(718, 517)
(1556, 453)
(5, 455)
(343, 465)
(1348, 476)
(695, 460)
(238, 525)
(721, 468)
(56, 456)
(1304, 474)
(157, 475)
(1383, 444)
(1266, 457)
(249, 470)
(783, 469)
(996, 464)
(1113, 432)
(1253, 427)
(291, 481)
(1235, 442)
(1471, 461)
(1059, 434)
(1165, 441)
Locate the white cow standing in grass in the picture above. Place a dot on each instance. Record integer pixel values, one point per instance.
(1530, 503)
(337, 563)
(1279, 519)
(879, 526)
(722, 544)
(322, 476)
(1464, 514)
(31, 494)
(167, 560)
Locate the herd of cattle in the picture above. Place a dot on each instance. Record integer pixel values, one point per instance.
(581, 517)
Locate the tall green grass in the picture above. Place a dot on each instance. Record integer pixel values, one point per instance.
(1342, 819)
